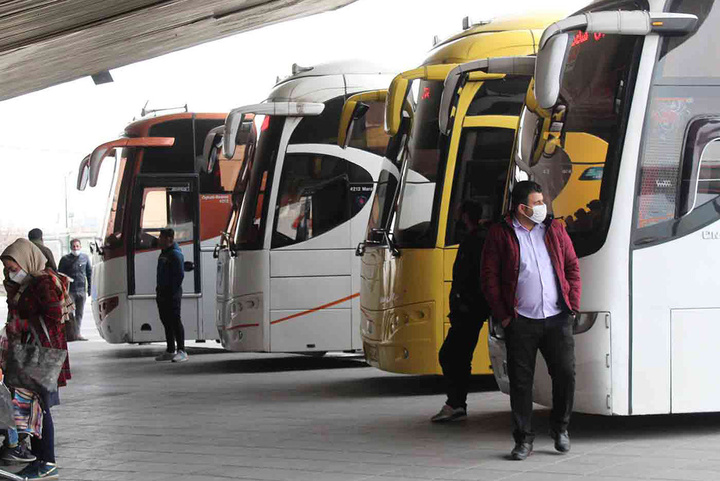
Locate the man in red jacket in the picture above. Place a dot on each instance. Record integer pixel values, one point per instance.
(531, 279)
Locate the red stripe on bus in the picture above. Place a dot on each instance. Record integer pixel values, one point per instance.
(315, 309)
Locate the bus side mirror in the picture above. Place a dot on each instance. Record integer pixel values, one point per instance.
(394, 103)
(549, 70)
(83, 173)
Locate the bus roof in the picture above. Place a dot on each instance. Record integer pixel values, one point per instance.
(141, 127)
(479, 41)
(326, 81)
(350, 66)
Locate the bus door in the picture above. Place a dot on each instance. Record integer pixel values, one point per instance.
(484, 138)
(312, 254)
(161, 202)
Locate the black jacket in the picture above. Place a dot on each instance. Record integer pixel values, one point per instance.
(170, 272)
(79, 270)
(47, 253)
(466, 298)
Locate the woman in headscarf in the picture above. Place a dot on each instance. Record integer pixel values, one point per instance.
(34, 293)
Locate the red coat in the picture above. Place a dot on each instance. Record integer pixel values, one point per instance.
(501, 267)
(42, 298)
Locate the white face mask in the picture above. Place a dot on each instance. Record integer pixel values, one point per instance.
(18, 276)
(75, 252)
(539, 213)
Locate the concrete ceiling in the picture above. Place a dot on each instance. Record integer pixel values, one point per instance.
(47, 42)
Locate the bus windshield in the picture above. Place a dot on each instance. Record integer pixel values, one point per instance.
(578, 172)
(252, 192)
(415, 223)
(114, 218)
(385, 199)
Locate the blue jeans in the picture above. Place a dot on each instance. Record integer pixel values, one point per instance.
(12, 437)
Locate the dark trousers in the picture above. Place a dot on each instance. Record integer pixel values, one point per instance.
(44, 448)
(456, 356)
(79, 299)
(553, 337)
(169, 309)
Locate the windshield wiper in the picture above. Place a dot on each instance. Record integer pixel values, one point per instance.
(387, 238)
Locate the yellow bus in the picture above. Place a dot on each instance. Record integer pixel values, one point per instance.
(453, 123)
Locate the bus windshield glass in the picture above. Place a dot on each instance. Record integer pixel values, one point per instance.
(253, 202)
(115, 215)
(576, 162)
(416, 223)
(384, 202)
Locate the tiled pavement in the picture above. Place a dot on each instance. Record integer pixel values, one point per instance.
(271, 417)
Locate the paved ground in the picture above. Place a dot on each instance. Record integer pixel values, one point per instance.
(270, 417)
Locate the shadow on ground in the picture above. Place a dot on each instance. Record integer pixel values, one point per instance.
(150, 351)
(395, 386)
(269, 364)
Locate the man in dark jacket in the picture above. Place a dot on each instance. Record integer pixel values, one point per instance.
(76, 266)
(468, 311)
(170, 275)
(531, 279)
(36, 237)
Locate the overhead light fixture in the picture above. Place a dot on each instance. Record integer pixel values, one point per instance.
(103, 77)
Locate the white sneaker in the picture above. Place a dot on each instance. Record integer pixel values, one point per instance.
(181, 356)
(166, 356)
(448, 413)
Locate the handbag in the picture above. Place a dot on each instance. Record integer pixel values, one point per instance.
(34, 367)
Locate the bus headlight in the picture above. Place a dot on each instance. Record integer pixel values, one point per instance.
(584, 321)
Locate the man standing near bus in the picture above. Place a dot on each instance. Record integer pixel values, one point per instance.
(170, 275)
(531, 279)
(76, 266)
(468, 311)
(36, 237)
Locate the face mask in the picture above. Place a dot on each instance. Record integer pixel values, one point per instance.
(17, 277)
(539, 213)
(75, 252)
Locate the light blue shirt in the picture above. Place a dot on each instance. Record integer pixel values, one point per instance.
(537, 289)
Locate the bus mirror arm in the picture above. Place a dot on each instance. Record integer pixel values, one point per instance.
(216, 251)
(360, 249)
(98, 248)
(392, 244)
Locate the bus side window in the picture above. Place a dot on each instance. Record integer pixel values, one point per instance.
(368, 133)
(701, 165)
(162, 208)
(314, 197)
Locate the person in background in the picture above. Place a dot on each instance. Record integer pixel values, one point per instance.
(170, 275)
(36, 237)
(468, 311)
(36, 296)
(76, 266)
(531, 279)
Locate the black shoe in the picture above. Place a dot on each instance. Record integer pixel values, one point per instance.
(562, 441)
(18, 454)
(521, 451)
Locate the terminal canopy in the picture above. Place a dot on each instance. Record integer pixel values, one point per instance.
(47, 42)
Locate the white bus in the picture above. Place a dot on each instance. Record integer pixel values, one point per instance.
(288, 278)
(623, 133)
(160, 181)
